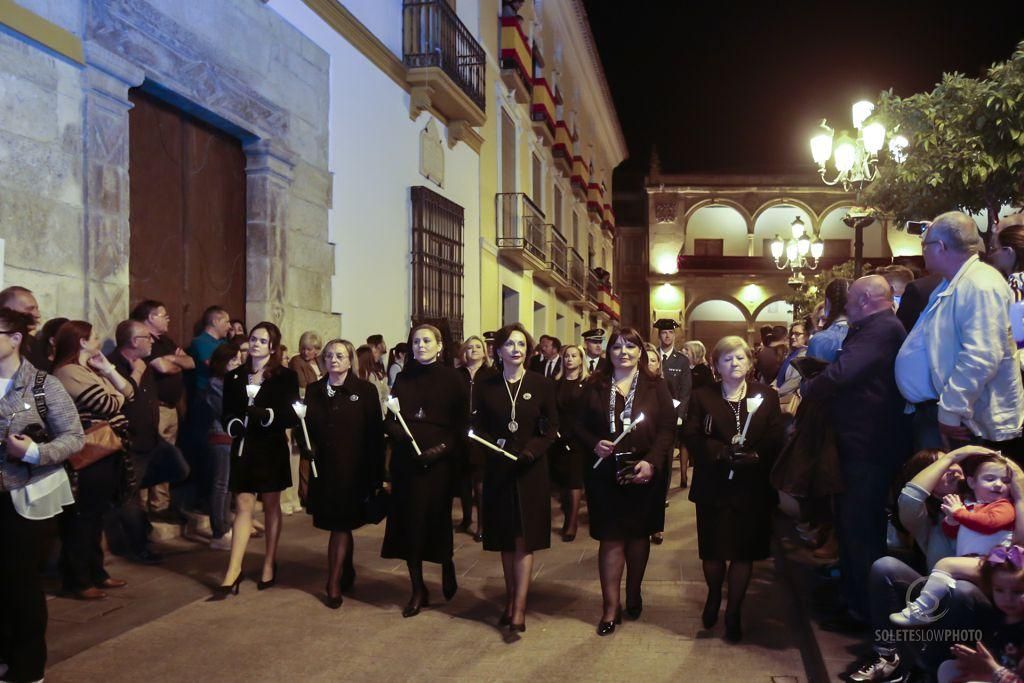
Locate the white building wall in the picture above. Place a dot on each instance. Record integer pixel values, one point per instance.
(374, 155)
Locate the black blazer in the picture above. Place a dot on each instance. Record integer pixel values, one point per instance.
(652, 439)
(538, 363)
(676, 371)
(710, 426)
(915, 298)
(277, 393)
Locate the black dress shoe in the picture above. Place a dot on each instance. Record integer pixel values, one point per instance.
(733, 631)
(332, 602)
(222, 592)
(505, 620)
(348, 577)
(262, 585)
(517, 628)
(633, 611)
(449, 585)
(709, 617)
(479, 537)
(417, 602)
(605, 628)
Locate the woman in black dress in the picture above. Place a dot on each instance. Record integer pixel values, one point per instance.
(697, 355)
(260, 456)
(626, 490)
(347, 435)
(567, 454)
(730, 485)
(516, 410)
(435, 407)
(476, 366)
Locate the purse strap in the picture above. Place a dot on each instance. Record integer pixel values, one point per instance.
(40, 395)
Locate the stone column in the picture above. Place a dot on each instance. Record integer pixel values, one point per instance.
(108, 78)
(269, 169)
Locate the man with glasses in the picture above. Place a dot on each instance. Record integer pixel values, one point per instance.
(155, 460)
(958, 365)
(167, 361)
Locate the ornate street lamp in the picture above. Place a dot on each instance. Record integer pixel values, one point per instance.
(856, 163)
(802, 252)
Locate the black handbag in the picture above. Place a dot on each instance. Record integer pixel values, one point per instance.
(741, 458)
(625, 467)
(375, 506)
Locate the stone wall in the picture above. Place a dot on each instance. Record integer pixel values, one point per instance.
(234, 63)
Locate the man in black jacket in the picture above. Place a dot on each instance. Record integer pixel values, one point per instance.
(675, 368)
(871, 430)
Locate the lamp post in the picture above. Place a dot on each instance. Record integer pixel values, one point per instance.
(801, 252)
(855, 160)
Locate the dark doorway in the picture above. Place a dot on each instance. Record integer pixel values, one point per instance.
(187, 214)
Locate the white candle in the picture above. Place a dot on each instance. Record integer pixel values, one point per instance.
(488, 444)
(753, 403)
(393, 405)
(626, 429)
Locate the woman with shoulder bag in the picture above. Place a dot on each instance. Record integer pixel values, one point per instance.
(346, 432)
(41, 430)
(735, 501)
(102, 468)
(625, 480)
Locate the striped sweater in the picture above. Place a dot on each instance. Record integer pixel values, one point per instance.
(95, 397)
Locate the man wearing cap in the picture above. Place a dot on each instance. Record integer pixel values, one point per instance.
(675, 368)
(593, 344)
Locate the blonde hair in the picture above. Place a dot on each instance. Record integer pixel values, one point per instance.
(465, 347)
(584, 372)
(352, 358)
(728, 345)
(310, 340)
(697, 351)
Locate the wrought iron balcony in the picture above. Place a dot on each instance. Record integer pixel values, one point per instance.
(444, 60)
(557, 272)
(520, 230)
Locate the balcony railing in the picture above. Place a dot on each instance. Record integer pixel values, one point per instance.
(521, 225)
(558, 253)
(756, 264)
(577, 273)
(434, 36)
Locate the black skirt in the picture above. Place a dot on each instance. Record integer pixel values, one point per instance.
(623, 512)
(264, 466)
(729, 532)
(566, 465)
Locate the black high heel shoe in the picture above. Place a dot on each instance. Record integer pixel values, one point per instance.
(605, 628)
(417, 602)
(332, 602)
(222, 592)
(517, 628)
(633, 611)
(733, 630)
(710, 614)
(449, 585)
(505, 620)
(262, 585)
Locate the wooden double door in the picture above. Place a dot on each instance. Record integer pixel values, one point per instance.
(187, 214)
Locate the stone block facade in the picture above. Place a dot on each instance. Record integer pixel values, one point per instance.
(64, 173)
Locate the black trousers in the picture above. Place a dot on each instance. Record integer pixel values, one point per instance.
(861, 525)
(22, 601)
(81, 525)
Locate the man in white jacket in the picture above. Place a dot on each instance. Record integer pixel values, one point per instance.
(960, 360)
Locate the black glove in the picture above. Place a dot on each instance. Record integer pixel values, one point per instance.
(432, 454)
(257, 414)
(742, 456)
(395, 432)
(526, 458)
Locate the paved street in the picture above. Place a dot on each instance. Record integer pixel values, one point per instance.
(160, 628)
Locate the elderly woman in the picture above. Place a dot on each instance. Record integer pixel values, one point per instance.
(99, 392)
(306, 363)
(625, 480)
(697, 354)
(730, 477)
(41, 430)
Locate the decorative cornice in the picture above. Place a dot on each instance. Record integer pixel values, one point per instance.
(360, 37)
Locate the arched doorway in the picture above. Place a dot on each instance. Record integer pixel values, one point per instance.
(713, 319)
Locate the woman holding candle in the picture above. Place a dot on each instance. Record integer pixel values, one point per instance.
(434, 407)
(516, 410)
(733, 432)
(625, 475)
(258, 398)
(346, 431)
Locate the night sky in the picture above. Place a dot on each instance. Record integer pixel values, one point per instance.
(739, 87)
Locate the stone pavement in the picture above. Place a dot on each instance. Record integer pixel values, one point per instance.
(160, 628)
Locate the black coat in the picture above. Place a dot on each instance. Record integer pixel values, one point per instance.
(472, 452)
(566, 454)
(434, 405)
(539, 362)
(860, 388)
(702, 376)
(915, 299)
(516, 496)
(676, 371)
(347, 434)
(264, 465)
(635, 510)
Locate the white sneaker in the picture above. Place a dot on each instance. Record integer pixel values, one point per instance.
(878, 669)
(287, 509)
(222, 543)
(913, 614)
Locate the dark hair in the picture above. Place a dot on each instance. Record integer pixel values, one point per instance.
(632, 336)
(14, 321)
(144, 309)
(209, 314)
(375, 339)
(273, 365)
(236, 321)
(7, 294)
(400, 347)
(780, 333)
(502, 335)
(835, 296)
(68, 342)
(766, 334)
(365, 367)
(1012, 236)
(557, 343)
(972, 463)
(125, 331)
(990, 569)
(48, 332)
(222, 355)
(913, 467)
